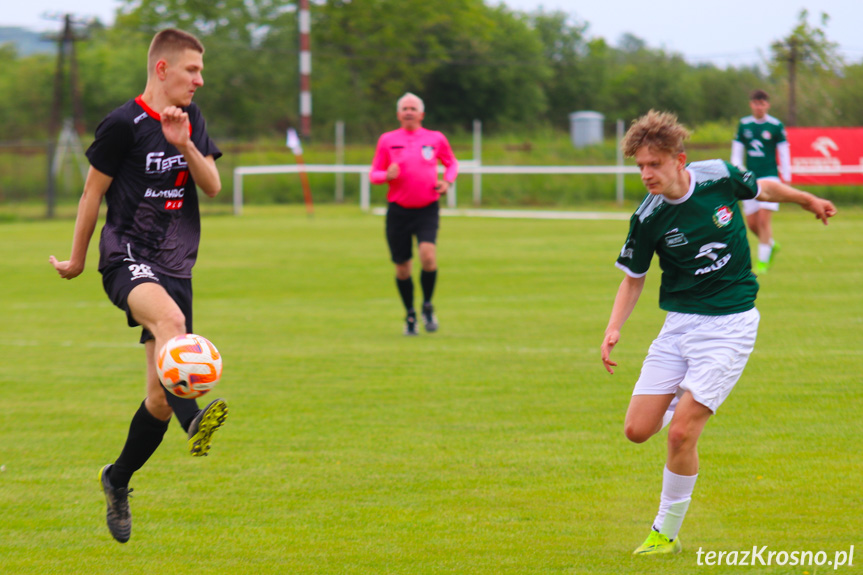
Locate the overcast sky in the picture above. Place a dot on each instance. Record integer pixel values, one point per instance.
(727, 32)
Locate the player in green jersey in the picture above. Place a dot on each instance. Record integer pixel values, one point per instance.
(760, 138)
(691, 220)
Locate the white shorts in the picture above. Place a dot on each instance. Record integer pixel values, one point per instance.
(753, 206)
(702, 354)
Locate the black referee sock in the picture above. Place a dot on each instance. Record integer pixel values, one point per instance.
(145, 435)
(406, 290)
(184, 409)
(427, 280)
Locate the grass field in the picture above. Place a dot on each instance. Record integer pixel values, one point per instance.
(492, 447)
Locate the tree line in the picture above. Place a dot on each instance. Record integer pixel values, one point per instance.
(468, 60)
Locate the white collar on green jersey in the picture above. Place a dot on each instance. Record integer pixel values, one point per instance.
(688, 194)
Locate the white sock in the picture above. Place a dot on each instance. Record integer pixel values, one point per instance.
(764, 251)
(674, 502)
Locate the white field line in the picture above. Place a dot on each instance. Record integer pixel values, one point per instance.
(68, 343)
(524, 214)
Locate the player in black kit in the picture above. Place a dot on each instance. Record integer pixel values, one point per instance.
(148, 160)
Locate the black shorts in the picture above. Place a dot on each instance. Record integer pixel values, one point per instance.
(404, 223)
(119, 281)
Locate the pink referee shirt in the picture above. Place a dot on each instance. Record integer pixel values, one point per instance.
(417, 154)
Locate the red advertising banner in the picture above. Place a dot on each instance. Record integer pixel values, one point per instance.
(826, 156)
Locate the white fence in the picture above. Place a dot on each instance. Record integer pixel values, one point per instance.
(465, 167)
(472, 167)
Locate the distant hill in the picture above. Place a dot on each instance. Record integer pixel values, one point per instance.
(26, 41)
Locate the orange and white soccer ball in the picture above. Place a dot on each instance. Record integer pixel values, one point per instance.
(189, 365)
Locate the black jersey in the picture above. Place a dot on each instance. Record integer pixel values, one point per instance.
(152, 202)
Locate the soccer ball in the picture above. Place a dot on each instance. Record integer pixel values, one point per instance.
(189, 365)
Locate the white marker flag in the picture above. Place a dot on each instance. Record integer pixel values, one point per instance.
(294, 142)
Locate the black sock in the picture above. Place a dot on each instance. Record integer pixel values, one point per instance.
(427, 280)
(145, 435)
(406, 290)
(184, 409)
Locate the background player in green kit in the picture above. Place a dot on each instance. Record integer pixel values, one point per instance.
(760, 138)
(691, 220)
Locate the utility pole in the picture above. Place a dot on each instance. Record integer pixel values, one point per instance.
(74, 126)
(792, 82)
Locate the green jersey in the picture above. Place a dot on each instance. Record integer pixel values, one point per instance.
(760, 139)
(700, 240)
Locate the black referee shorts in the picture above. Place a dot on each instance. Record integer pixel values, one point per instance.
(119, 281)
(404, 223)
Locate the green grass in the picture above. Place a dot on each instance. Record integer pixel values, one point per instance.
(494, 446)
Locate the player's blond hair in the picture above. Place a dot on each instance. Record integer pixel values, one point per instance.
(171, 41)
(659, 131)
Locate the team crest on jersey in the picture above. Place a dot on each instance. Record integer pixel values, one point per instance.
(765, 135)
(722, 216)
(428, 152)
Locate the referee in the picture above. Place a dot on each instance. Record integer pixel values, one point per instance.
(406, 159)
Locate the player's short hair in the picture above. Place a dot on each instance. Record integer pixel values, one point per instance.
(171, 41)
(659, 131)
(407, 95)
(759, 95)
